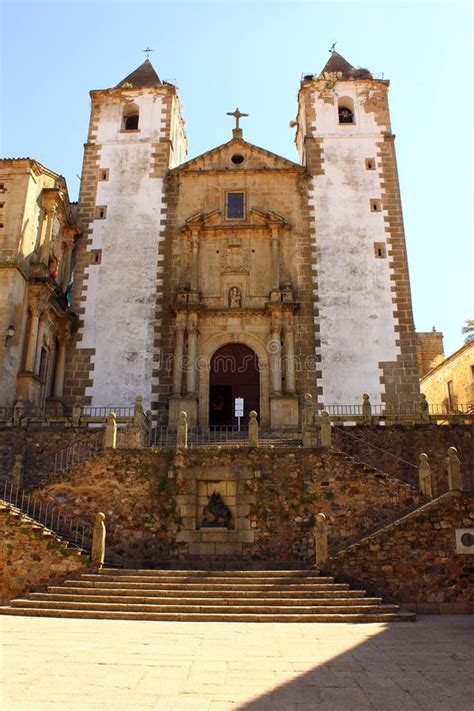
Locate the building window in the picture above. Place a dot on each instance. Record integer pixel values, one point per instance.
(131, 115)
(345, 108)
(369, 164)
(375, 206)
(100, 212)
(380, 250)
(96, 256)
(234, 206)
(103, 174)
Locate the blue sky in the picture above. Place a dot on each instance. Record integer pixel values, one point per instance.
(225, 54)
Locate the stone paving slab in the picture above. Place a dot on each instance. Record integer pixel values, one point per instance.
(55, 664)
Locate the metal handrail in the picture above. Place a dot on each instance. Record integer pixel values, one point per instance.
(67, 457)
(373, 446)
(50, 515)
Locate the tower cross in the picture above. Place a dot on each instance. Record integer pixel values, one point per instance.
(148, 50)
(332, 48)
(237, 115)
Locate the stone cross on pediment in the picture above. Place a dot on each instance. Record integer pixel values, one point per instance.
(237, 131)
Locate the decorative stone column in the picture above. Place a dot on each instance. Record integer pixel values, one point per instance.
(111, 431)
(275, 260)
(98, 541)
(366, 409)
(425, 477)
(325, 426)
(192, 353)
(178, 356)
(424, 408)
(455, 479)
(32, 338)
(48, 232)
(69, 234)
(321, 541)
(289, 357)
(253, 429)
(182, 434)
(195, 261)
(63, 339)
(275, 358)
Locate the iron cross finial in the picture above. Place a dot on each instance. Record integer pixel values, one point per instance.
(333, 48)
(237, 115)
(148, 50)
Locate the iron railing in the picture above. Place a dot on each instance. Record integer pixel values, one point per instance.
(50, 515)
(74, 454)
(104, 411)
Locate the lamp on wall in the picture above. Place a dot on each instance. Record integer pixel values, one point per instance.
(10, 333)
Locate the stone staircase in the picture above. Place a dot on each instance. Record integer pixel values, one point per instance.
(211, 596)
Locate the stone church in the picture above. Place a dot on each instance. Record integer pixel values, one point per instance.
(238, 274)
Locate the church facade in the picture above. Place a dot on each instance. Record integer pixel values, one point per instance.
(241, 275)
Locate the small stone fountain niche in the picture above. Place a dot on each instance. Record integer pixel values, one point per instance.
(199, 481)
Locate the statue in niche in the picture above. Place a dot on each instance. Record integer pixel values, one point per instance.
(216, 508)
(235, 298)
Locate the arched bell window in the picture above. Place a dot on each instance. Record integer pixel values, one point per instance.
(345, 107)
(131, 116)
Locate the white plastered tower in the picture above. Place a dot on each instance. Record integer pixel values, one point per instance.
(136, 134)
(363, 315)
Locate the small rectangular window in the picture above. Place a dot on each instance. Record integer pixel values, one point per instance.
(369, 164)
(103, 173)
(375, 206)
(100, 212)
(2, 188)
(96, 256)
(380, 250)
(234, 206)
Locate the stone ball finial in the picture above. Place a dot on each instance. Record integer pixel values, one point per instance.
(112, 416)
(366, 396)
(422, 396)
(138, 398)
(183, 416)
(423, 457)
(253, 415)
(100, 517)
(325, 414)
(452, 451)
(308, 398)
(320, 518)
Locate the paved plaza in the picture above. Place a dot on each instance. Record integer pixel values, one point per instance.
(99, 665)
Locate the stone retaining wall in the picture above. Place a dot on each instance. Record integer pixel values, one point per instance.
(31, 558)
(151, 499)
(408, 442)
(414, 561)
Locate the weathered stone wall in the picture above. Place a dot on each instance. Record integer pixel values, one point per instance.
(278, 500)
(31, 557)
(134, 492)
(407, 442)
(36, 446)
(414, 561)
(429, 348)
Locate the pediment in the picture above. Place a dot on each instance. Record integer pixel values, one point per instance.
(215, 219)
(254, 158)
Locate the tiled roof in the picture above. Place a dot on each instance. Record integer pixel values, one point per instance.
(144, 75)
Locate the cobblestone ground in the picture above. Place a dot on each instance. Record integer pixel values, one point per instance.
(100, 665)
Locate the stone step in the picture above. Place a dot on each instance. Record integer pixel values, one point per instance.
(219, 601)
(205, 608)
(379, 616)
(192, 594)
(153, 573)
(210, 579)
(294, 588)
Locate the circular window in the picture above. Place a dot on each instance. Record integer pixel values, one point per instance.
(237, 159)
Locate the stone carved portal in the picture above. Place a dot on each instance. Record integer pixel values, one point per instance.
(234, 373)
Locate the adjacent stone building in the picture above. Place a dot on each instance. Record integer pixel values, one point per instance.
(240, 274)
(38, 229)
(450, 382)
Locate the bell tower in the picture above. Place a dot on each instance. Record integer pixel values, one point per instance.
(136, 134)
(365, 338)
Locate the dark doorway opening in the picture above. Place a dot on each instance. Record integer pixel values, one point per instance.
(234, 374)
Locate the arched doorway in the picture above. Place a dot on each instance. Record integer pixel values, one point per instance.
(233, 374)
